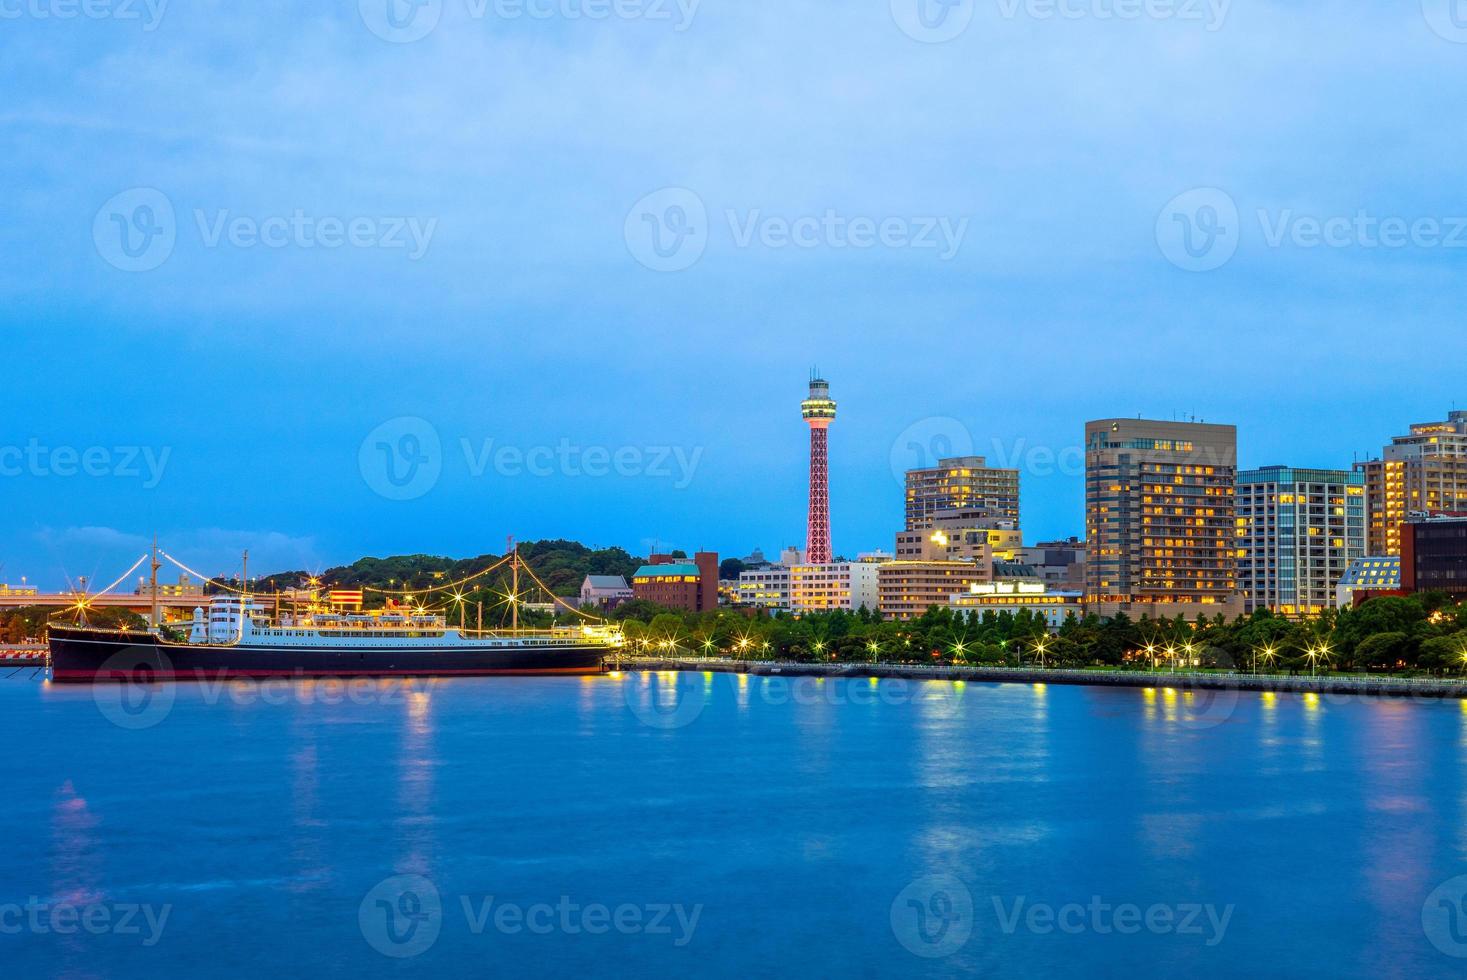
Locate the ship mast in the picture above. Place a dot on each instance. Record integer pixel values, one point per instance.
(514, 589)
(154, 621)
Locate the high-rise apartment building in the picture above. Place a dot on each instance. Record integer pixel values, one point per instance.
(1423, 472)
(963, 483)
(1298, 532)
(1160, 513)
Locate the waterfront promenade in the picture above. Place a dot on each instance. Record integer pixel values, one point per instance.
(1421, 687)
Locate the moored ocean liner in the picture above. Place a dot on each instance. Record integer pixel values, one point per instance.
(237, 637)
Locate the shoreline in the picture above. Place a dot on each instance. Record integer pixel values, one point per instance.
(1422, 687)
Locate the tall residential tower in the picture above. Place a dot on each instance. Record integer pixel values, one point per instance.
(818, 411)
(1424, 472)
(1160, 514)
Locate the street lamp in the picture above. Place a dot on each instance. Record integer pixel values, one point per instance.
(1041, 645)
(1151, 652)
(1171, 656)
(1268, 654)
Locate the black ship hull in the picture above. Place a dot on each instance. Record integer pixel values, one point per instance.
(89, 656)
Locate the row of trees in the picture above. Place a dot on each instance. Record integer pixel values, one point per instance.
(1415, 633)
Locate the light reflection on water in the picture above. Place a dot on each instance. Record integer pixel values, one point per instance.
(789, 810)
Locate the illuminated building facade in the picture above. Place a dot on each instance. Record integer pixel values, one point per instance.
(679, 583)
(964, 484)
(818, 411)
(1160, 518)
(1298, 532)
(907, 589)
(841, 585)
(1368, 577)
(764, 588)
(1423, 472)
(1434, 555)
(1014, 596)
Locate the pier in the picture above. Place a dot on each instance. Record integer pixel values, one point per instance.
(1416, 687)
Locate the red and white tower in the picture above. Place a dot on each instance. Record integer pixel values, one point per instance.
(819, 412)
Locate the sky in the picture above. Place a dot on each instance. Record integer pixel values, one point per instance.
(332, 279)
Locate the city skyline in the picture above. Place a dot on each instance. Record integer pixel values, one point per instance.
(1046, 474)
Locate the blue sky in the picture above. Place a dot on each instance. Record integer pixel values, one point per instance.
(982, 242)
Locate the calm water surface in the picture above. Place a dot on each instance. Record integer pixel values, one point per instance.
(656, 824)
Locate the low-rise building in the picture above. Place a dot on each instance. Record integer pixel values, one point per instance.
(1015, 595)
(847, 585)
(907, 589)
(604, 591)
(679, 583)
(1434, 555)
(764, 588)
(1367, 578)
(1060, 564)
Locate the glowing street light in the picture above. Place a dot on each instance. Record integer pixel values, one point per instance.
(1041, 646)
(1151, 652)
(1269, 655)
